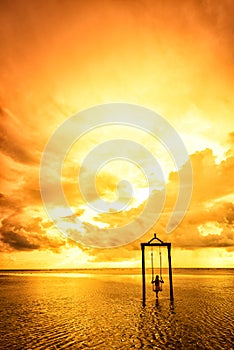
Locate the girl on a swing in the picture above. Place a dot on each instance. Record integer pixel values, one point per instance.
(157, 284)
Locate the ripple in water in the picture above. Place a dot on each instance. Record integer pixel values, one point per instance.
(105, 312)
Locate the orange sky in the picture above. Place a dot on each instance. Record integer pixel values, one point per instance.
(60, 57)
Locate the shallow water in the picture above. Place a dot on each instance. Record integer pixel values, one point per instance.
(104, 311)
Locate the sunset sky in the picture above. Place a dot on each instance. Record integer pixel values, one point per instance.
(58, 58)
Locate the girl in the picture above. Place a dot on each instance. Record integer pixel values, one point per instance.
(157, 282)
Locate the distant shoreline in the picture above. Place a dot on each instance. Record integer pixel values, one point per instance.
(122, 270)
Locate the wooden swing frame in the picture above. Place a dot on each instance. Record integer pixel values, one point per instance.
(159, 244)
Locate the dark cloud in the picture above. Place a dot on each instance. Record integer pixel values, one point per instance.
(17, 241)
(23, 234)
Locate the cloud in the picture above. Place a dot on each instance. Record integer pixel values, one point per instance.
(22, 229)
(209, 205)
(209, 222)
(14, 143)
(19, 233)
(17, 241)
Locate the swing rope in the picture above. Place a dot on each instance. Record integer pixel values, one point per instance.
(160, 260)
(152, 263)
(160, 268)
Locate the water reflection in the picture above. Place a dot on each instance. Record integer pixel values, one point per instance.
(158, 326)
(157, 303)
(106, 313)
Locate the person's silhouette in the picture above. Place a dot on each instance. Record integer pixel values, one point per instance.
(157, 282)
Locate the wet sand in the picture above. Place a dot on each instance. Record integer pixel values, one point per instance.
(78, 310)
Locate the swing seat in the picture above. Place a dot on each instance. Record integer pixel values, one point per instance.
(157, 288)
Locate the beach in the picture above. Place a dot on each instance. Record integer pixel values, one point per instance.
(88, 309)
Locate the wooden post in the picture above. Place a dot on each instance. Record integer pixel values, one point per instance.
(170, 271)
(143, 273)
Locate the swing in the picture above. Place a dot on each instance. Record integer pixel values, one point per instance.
(154, 287)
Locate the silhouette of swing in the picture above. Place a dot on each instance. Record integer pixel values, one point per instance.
(155, 242)
(158, 281)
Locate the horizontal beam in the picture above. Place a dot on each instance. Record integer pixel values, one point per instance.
(155, 244)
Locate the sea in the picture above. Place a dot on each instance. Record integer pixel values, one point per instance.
(102, 309)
